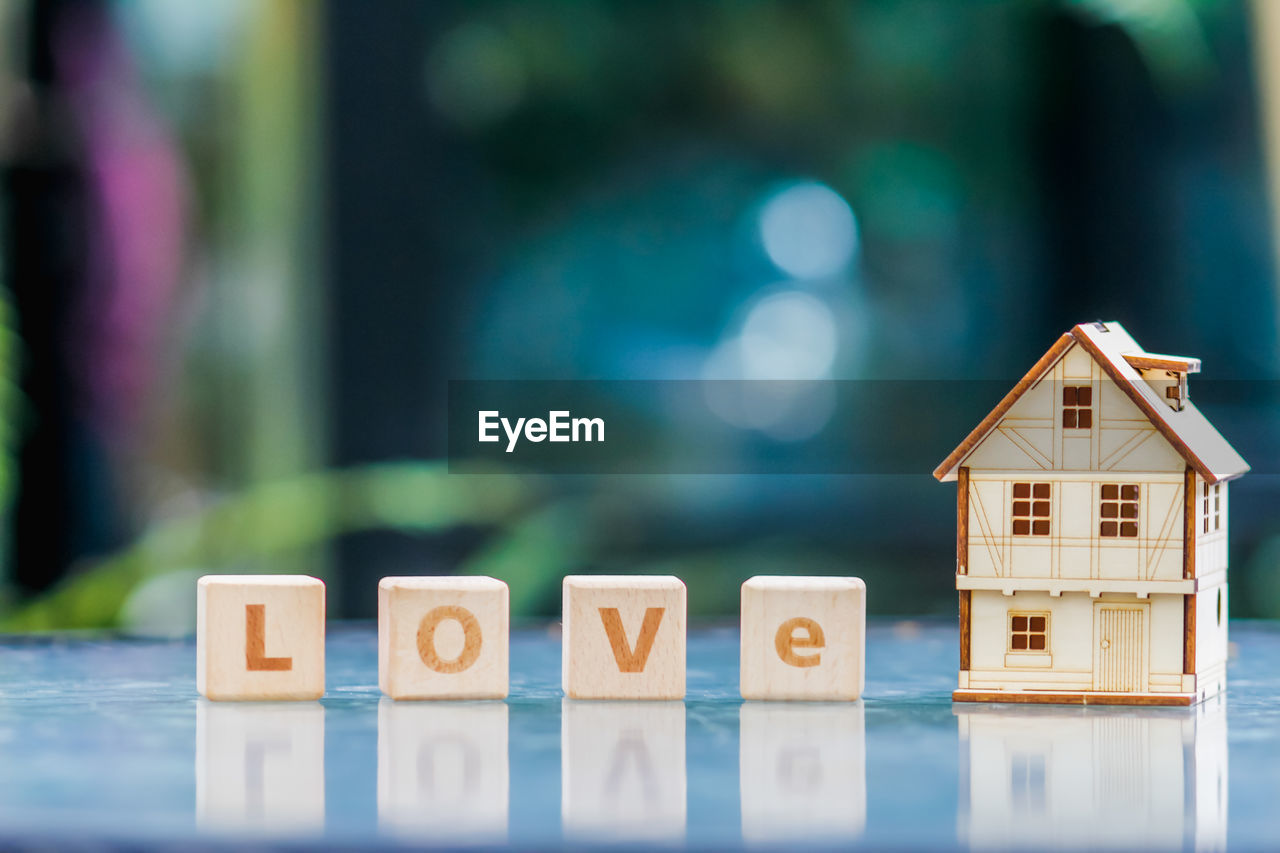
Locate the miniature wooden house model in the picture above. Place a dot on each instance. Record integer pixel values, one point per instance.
(1091, 548)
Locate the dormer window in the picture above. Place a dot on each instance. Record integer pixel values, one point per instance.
(1077, 407)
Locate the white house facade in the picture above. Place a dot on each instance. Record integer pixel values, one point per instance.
(1092, 509)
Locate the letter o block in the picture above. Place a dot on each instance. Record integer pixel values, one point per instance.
(443, 637)
(803, 638)
(260, 637)
(624, 637)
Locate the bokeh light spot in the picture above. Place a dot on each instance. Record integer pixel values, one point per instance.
(791, 339)
(809, 231)
(475, 75)
(789, 335)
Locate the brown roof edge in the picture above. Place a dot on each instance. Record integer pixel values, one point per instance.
(1151, 361)
(1037, 371)
(1145, 406)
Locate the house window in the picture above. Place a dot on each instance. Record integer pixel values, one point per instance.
(1212, 507)
(1031, 509)
(1077, 406)
(1028, 632)
(1119, 510)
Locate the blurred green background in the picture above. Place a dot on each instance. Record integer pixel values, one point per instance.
(247, 244)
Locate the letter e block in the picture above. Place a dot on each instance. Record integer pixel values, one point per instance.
(803, 638)
(443, 637)
(260, 637)
(624, 637)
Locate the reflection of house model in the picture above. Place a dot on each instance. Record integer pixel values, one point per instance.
(1074, 778)
(1092, 532)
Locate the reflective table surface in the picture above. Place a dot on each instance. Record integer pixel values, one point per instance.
(107, 740)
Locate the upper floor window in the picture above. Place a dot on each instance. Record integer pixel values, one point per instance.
(1212, 507)
(1031, 509)
(1119, 510)
(1077, 406)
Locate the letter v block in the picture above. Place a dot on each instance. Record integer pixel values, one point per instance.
(803, 638)
(624, 637)
(260, 637)
(443, 637)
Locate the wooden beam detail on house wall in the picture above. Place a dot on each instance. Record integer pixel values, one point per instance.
(962, 560)
(1189, 524)
(1189, 570)
(1188, 635)
(962, 521)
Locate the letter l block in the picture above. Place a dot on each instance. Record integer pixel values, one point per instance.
(443, 637)
(260, 637)
(624, 637)
(803, 638)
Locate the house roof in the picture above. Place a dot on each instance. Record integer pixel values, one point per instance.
(1187, 431)
(1155, 361)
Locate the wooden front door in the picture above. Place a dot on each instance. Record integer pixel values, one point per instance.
(1120, 648)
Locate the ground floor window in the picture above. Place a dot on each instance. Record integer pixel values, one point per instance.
(1028, 632)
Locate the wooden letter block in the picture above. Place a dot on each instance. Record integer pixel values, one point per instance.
(443, 637)
(803, 638)
(624, 637)
(260, 637)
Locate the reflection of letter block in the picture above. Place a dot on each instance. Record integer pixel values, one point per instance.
(260, 768)
(260, 637)
(803, 638)
(443, 638)
(624, 637)
(623, 772)
(802, 772)
(442, 770)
